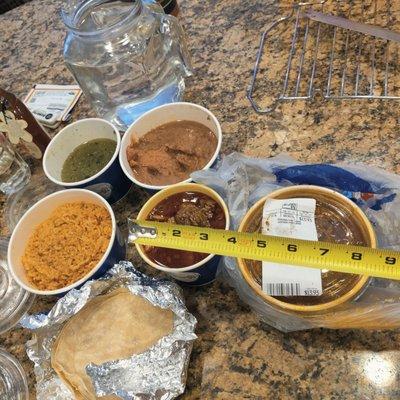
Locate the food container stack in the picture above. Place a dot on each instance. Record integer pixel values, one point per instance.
(117, 333)
(337, 219)
(339, 204)
(113, 332)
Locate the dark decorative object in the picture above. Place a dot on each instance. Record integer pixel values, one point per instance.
(7, 5)
(20, 126)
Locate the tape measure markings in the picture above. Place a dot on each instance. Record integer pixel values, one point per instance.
(321, 255)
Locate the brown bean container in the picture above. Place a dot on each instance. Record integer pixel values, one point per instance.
(338, 220)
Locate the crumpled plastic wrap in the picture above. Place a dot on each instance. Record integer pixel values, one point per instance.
(242, 180)
(158, 373)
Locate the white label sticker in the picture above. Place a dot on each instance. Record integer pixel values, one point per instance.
(52, 103)
(292, 218)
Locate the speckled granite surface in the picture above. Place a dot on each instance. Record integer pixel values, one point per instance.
(236, 357)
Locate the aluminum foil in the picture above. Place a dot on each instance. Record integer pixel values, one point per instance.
(158, 373)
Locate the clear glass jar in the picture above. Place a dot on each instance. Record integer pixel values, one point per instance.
(127, 56)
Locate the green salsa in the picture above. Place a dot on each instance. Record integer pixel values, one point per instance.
(87, 160)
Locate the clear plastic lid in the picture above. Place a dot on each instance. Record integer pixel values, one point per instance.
(13, 383)
(338, 220)
(18, 203)
(14, 301)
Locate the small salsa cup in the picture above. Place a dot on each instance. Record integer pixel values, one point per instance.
(110, 182)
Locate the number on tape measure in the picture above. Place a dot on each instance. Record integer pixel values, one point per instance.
(390, 260)
(262, 244)
(356, 256)
(176, 233)
(324, 251)
(232, 240)
(292, 247)
(203, 236)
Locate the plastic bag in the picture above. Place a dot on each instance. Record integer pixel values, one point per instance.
(241, 181)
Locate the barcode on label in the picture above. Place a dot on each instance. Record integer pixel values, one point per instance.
(283, 289)
(56, 106)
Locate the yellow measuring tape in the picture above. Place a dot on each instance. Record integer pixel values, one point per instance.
(321, 255)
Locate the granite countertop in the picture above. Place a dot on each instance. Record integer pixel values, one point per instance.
(236, 356)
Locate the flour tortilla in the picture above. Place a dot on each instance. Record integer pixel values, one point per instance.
(110, 327)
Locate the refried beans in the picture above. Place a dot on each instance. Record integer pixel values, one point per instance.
(169, 153)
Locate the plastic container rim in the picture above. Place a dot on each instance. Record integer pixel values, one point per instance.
(126, 141)
(64, 131)
(163, 194)
(53, 292)
(358, 287)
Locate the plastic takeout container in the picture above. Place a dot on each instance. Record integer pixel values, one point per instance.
(15, 302)
(338, 213)
(39, 213)
(13, 382)
(20, 202)
(205, 270)
(162, 115)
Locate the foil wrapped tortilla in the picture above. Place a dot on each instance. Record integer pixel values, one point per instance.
(141, 362)
(110, 327)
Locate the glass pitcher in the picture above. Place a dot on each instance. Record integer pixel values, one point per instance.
(127, 56)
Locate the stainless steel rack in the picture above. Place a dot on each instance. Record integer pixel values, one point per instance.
(336, 49)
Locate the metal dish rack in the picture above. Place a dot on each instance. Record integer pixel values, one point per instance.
(327, 59)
